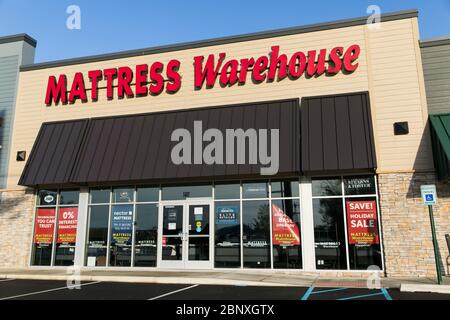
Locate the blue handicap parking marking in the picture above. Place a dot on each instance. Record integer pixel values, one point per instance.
(381, 292)
(362, 296)
(307, 293)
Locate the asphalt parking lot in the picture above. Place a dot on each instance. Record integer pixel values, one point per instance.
(11, 289)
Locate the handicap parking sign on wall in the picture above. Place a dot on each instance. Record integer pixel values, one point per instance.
(429, 196)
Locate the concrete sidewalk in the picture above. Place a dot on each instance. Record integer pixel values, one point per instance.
(225, 277)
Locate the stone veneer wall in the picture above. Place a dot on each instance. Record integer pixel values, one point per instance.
(16, 227)
(408, 246)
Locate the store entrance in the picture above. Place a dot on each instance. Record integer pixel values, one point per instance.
(185, 241)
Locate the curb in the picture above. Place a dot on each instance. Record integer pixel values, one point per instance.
(159, 280)
(435, 288)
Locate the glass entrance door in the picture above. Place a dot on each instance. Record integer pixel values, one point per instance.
(186, 235)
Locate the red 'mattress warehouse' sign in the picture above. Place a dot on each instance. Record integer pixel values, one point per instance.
(362, 222)
(67, 225)
(153, 79)
(284, 230)
(44, 226)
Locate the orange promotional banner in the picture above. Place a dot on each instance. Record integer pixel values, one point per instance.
(44, 226)
(67, 225)
(362, 222)
(284, 230)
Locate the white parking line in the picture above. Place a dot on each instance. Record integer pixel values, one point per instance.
(4, 280)
(50, 290)
(173, 292)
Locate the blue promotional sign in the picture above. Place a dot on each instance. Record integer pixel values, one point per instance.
(227, 215)
(122, 224)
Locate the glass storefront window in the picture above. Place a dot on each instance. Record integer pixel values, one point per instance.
(224, 191)
(97, 239)
(285, 189)
(146, 235)
(260, 229)
(255, 190)
(256, 237)
(55, 228)
(326, 187)
(121, 235)
(44, 229)
(69, 197)
(352, 212)
(363, 233)
(66, 236)
(329, 234)
(227, 234)
(123, 195)
(286, 237)
(100, 195)
(147, 194)
(184, 192)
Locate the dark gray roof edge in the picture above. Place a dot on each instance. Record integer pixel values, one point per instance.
(405, 14)
(19, 37)
(439, 41)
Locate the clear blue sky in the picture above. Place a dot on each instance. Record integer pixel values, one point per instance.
(111, 26)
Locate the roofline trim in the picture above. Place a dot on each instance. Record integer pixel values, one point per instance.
(19, 37)
(433, 42)
(405, 14)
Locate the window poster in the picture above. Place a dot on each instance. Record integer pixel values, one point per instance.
(67, 225)
(285, 232)
(227, 215)
(122, 224)
(44, 226)
(362, 222)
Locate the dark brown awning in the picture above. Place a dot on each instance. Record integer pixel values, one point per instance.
(337, 133)
(136, 148)
(54, 153)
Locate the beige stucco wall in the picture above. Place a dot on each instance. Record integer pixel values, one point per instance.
(388, 68)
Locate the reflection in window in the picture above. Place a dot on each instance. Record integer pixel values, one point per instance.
(69, 197)
(146, 235)
(326, 187)
(329, 234)
(123, 195)
(286, 237)
(99, 195)
(97, 236)
(227, 235)
(227, 191)
(254, 190)
(285, 189)
(148, 194)
(256, 237)
(183, 192)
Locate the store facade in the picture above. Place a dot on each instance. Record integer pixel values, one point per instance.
(277, 150)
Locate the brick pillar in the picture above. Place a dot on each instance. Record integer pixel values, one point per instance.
(16, 227)
(407, 240)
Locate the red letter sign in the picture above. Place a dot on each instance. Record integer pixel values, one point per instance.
(284, 230)
(67, 225)
(56, 91)
(44, 226)
(362, 222)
